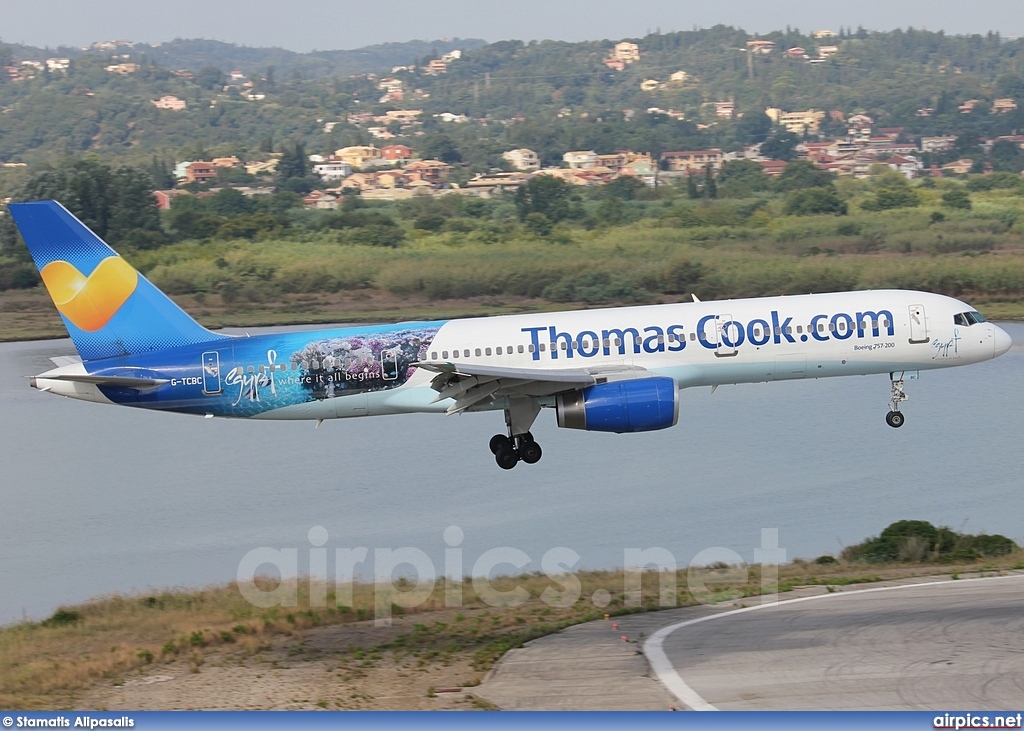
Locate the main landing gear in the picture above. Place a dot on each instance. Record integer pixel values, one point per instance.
(519, 444)
(895, 417)
(509, 451)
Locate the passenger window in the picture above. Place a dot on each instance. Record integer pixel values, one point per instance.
(693, 336)
(487, 351)
(305, 365)
(821, 327)
(316, 365)
(563, 345)
(251, 370)
(789, 331)
(477, 351)
(433, 356)
(618, 343)
(671, 338)
(444, 355)
(832, 327)
(520, 348)
(541, 346)
(661, 338)
(607, 343)
(799, 329)
(498, 350)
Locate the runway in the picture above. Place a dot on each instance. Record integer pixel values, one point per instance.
(938, 645)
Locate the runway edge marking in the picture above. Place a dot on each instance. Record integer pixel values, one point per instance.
(673, 681)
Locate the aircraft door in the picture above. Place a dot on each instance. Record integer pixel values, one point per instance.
(211, 373)
(389, 364)
(729, 334)
(918, 325)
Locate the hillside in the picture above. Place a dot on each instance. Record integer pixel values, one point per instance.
(550, 96)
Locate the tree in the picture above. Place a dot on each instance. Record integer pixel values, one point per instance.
(692, 191)
(209, 77)
(1006, 156)
(956, 198)
(544, 194)
(293, 162)
(814, 201)
(741, 178)
(624, 187)
(110, 201)
(441, 147)
(710, 187)
(781, 145)
(803, 174)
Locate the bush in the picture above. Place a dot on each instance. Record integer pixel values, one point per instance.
(956, 198)
(63, 617)
(888, 198)
(814, 202)
(596, 288)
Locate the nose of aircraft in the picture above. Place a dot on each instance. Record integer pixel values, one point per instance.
(1001, 340)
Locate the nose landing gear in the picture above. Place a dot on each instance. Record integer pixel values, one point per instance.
(895, 417)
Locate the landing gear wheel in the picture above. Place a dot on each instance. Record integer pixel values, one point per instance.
(530, 452)
(894, 419)
(506, 458)
(499, 442)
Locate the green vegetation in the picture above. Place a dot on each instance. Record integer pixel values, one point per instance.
(920, 541)
(228, 254)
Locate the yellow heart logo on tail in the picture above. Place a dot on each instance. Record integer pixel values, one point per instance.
(90, 302)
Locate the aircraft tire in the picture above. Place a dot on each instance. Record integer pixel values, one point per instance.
(895, 419)
(499, 442)
(506, 458)
(531, 452)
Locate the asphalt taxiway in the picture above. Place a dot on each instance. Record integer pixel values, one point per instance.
(920, 644)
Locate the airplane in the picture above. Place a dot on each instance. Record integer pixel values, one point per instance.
(611, 370)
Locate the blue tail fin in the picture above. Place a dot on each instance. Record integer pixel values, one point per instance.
(108, 308)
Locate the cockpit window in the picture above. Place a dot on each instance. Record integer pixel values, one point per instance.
(968, 318)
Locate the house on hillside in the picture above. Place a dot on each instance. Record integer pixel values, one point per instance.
(762, 47)
(400, 154)
(626, 52)
(522, 159)
(685, 160)
(200, 172)
(170, 102)
(580, 159)
(1004, 106)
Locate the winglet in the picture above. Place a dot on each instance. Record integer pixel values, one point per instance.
(694, 297)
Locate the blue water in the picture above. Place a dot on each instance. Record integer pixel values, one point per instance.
(97, 499)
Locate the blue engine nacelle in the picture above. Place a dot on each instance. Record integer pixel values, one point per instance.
(642, 404)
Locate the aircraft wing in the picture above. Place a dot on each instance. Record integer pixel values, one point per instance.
(471, 385)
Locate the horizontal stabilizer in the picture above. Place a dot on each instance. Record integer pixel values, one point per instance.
(65, 360)
(141, 384)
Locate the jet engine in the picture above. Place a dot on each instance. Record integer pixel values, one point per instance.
(642, 404)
